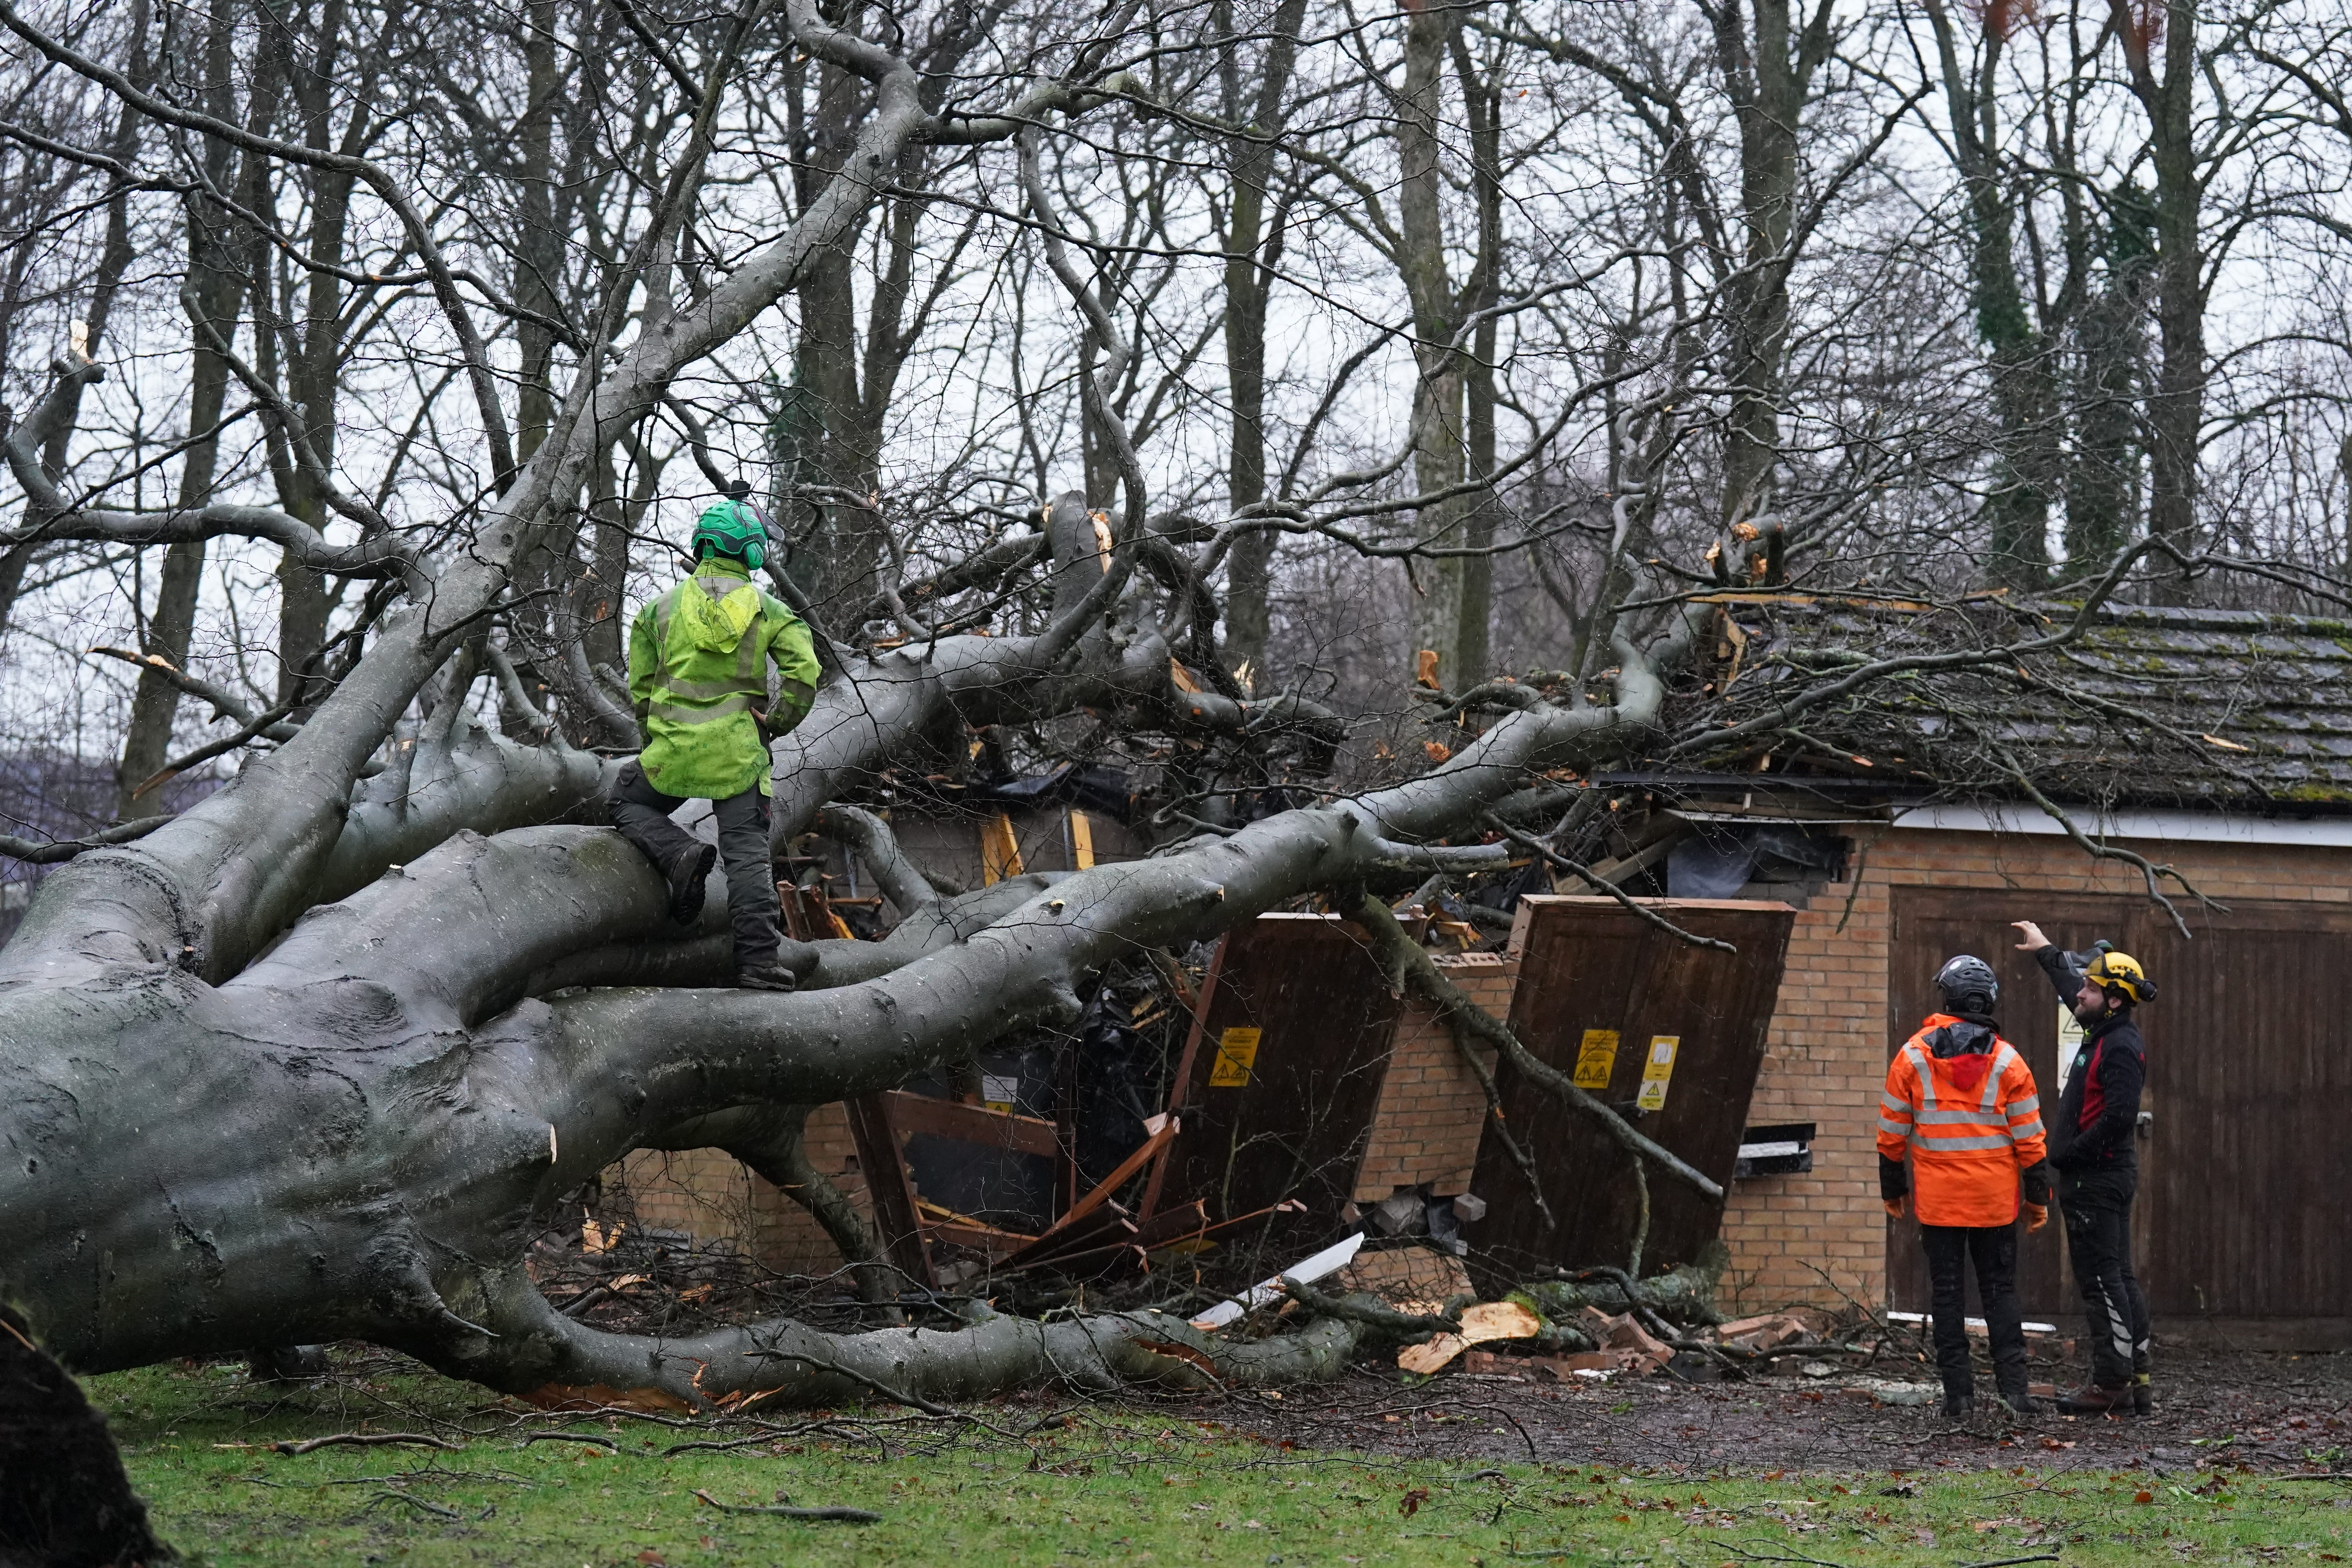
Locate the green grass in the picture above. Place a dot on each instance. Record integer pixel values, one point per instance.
(1127, 1486)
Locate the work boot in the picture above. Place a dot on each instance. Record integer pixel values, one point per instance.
(689, 875)
(2143, 1394)
(2019, 1403)
(1960, 1407)
(768, 973)
(2098, 1399)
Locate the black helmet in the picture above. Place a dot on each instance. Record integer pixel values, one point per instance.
(1968, 984)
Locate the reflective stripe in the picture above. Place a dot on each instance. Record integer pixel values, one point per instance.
(1958, 1145)
(1955, 1118)
(1926, 1076)
(2029, 1130)
(1891, 1103)
(2001, 1057)
(2019, 1107)
(726, 686)
(1900, 1130)
(677, 714)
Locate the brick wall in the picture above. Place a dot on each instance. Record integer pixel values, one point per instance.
(712, 1196)
(1432, 1111)
(1826, 1054)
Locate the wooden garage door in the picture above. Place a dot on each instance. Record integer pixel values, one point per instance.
(2245, 1166)
(1589, 968)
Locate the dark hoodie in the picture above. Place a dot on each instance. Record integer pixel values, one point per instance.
(2098, 1105)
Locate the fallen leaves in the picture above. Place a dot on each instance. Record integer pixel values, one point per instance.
(1410, 1504)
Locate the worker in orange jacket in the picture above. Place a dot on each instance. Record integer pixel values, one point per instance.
(1961, 1102)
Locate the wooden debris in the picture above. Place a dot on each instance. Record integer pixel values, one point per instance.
(1487, 1320)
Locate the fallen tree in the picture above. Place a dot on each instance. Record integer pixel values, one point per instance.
(319, 1056)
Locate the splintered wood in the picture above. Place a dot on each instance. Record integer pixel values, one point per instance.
(1486, 1320)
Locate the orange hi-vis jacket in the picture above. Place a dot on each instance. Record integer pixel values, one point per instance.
(1972, 1124)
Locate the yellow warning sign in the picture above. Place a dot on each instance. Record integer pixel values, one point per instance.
(1657, 1071)
(1596, 1058)
(1236, 1054)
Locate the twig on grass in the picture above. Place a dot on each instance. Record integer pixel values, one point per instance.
(433, 1508)
(1772, 1557)
(572, 1438)
(2010, 1562)
(370, 1440)
(781, 1511)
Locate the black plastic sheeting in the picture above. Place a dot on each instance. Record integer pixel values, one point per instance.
(1116, 1076)
(1717, 859)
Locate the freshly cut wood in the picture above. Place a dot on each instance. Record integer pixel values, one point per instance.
(1486, 1320)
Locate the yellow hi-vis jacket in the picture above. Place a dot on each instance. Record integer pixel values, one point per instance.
(1971, 1124)
(698, 659)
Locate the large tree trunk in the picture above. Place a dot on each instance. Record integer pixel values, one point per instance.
(357, 1133)
(1249, 279)
(2017, 507)
(1769, 83)
(1442, 608)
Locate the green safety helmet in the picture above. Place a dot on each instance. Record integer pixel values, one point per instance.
(731, 527)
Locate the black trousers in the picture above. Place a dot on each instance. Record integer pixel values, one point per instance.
(1994, 1248)
(642, 814)
(2097, 1206)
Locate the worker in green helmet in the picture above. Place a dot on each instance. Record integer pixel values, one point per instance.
(698, 658)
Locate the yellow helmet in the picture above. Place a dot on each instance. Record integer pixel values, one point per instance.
(2114, 971)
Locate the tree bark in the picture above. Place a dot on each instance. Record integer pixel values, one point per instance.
(1770, 84)
(2020, 359)
(448, 1090)
(2175, 405)
(1249, 288)
(1440, 609)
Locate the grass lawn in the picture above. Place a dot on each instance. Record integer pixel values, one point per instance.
(1126, 1485)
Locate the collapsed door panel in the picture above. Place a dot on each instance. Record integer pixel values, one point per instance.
(1278, 1101)
(1669, 1035)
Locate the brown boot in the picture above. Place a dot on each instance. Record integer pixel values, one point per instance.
(2098, 1399)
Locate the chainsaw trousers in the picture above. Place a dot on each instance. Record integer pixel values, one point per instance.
(1993, 1249)
(642, 813)
(2097, 1206)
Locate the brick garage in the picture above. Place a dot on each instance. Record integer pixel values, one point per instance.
(1820, 1235)
(1843, 1003)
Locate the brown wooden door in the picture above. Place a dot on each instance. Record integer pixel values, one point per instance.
(1282, 1090)
(1588, 964)
(2245, 1165)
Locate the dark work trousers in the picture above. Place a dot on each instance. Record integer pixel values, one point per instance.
(2097, 1206)
(642, 814)
(1994, 1248)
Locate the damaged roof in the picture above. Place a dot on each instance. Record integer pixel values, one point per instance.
(2152, 705)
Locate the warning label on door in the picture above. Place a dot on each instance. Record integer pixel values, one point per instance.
(1596, 1058)
(1236, 1054)
(1657, 1071)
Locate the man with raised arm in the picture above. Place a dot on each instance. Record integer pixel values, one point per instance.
(2091, 1148)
